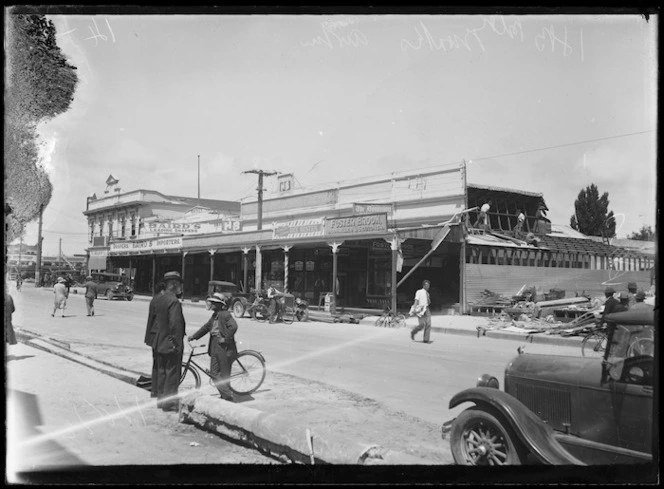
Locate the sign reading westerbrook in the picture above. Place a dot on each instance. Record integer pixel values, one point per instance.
(370, 223)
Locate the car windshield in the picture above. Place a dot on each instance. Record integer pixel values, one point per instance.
(101, 278)
(631, 340)
(224, 288)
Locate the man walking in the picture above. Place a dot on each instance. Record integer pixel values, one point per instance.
(170, 330)
(151, 332)
(610, 303)
(90, 295)
(222, 349)
(422, 311)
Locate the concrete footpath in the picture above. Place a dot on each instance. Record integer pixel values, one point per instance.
(286, 436)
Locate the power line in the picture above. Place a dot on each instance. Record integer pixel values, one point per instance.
(562, 145)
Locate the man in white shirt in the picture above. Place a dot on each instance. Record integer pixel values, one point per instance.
(518, 229)
(275, 308)
(483, 219)
(421, 310)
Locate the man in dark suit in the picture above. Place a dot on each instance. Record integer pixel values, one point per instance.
(151, 332)
(611, 302)
(167, 343)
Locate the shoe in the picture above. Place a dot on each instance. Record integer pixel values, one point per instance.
(229, 399)
(93, 313)
(427, 342)
(89, 315)
(412, 335)
(52, 315)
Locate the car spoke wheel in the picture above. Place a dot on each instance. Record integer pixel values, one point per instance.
(238, 309)
(594, 345)
(480, 438)
(642, 346)
(109, 295)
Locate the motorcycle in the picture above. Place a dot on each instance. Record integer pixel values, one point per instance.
(301, 309)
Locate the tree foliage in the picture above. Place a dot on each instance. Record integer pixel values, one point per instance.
(644, 234)
(591, 213)
(40, 84)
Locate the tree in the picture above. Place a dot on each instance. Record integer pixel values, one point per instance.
(40, 84)
(591, 213)
(644, 234)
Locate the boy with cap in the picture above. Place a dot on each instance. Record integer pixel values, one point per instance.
(222, 348)
(631, 288)
(639, 303)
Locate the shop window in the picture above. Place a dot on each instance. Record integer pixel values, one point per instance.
(379, 273)
(484, 258)
(123, 228)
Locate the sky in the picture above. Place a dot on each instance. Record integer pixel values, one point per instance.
(543, 103)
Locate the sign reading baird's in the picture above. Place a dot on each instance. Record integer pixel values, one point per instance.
(370, 223)
(146, 245)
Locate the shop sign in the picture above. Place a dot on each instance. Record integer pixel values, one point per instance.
(310, 266)
(146, 246)
(370, 223)
(380, 245)
(299, 266)
(169, 227)
(298, 228)
(372, 208)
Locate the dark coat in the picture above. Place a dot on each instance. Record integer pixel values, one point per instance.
(10, 336)
(225, 326)
(169, 324)
(90, 289)
(610, 305)
(151, 328)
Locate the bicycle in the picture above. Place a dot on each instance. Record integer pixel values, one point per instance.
(390, 320)
(247, 371)
(258, 310)
(594, 343)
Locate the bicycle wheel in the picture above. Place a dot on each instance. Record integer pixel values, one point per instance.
(594, 344)
(190, 379)
(247, 372)
(399, 321)
(260, 313)
(641, 346)
(382, 321)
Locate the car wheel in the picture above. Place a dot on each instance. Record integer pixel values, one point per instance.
(109, 295)
(238, 309)
(479, 437)
(130, 297)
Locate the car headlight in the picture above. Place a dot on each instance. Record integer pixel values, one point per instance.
(487, 380)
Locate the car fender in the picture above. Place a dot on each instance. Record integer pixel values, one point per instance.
(537, 436)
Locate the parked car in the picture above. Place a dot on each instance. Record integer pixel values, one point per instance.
(239, 299)
(113, 285)
(565, 410)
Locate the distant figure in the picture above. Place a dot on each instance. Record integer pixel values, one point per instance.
(518, 229)
(221, 348)
(631, 289)
(168, 342)
(275, 308)
(90, 295)
(624, 303)
(60, 301)
(19, 282)
(639, 303)
(10, 336)
(151, 332)
(69, 281)
(610, 303)
(483, 219)
(421, 308)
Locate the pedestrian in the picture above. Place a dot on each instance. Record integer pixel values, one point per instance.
(631, 292)
(90, 295)
(483, 218)
(168, 342)
(623, 305)
(10, 336)
(275, 307)
(222, 349)
(151, 332)
(639, 303)
(19, 282)
(69, 281)
(60, 301)
(610, 303)
(421, 308)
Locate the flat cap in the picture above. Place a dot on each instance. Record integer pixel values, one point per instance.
(610, 290)
(624, 296)
(172, 276)
(631, 285)
(640, 295)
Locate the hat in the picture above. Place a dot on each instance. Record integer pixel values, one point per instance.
(640, 295)
(609, 290)
(217, 297)
(624, 296)
(60, 279)
(172, 276)
(631, 285)
(89, 277)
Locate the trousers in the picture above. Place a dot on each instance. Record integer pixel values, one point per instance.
(169, 370)
(89, 304)
(221, 358)
(424, 323)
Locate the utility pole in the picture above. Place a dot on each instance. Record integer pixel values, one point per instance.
(39, 248)
(260, 189)
(199, 180)
(60, 252)
(20, 254)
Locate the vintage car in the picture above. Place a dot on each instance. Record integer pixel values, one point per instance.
(113, 286)
(563, 409)
(238, 300)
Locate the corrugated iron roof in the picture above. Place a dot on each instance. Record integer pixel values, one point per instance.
(502, 189)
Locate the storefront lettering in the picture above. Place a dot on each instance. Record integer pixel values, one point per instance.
(146, 245)
(298, 228)
(370, 223)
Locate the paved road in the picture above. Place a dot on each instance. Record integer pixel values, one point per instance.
(64, 415)
(383, 364)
